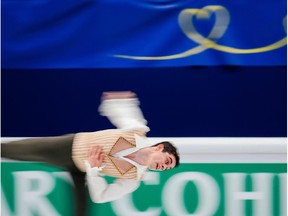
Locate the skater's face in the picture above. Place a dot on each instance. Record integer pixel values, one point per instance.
(160, 160)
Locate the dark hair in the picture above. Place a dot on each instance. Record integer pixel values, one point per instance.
(171, 149)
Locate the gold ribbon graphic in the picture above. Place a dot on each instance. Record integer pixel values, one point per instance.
(185, 20)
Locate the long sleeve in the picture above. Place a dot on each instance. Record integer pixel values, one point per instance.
(124, 113)
(101, 192)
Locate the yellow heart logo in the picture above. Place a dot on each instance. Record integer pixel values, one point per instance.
(222, 15)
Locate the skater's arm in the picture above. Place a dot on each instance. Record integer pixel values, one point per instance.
(101, 192)
(122, 109)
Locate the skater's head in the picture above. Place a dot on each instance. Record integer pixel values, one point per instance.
(163, 156)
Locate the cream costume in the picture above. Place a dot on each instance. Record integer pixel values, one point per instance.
(117, 143)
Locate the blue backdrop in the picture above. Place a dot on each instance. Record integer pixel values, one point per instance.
(192, 101)
(142, 33)
(200, 68)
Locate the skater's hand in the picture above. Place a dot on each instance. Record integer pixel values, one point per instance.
(118, 95)
(95, 156)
